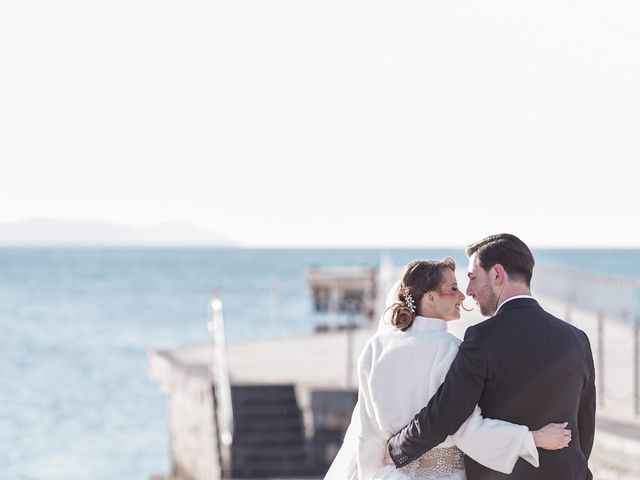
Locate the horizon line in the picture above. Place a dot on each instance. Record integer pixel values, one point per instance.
(298, 247)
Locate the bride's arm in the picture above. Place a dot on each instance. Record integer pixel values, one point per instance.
(494, 443)
(370, 441)
(498, 444)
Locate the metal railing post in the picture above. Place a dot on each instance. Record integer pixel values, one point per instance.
(636, 365)
(221, 383)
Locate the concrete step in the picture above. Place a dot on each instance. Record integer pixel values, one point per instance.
(290, 437)
(270, 470)
(269, 437)
(274, 453)
(265, 410)
(260, 393)
(272, 424)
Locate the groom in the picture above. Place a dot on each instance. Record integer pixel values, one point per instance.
(522, 365)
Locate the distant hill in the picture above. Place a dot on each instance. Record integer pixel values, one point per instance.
(53, 232)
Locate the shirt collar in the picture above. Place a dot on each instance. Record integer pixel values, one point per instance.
(513, 298)
(427, 324)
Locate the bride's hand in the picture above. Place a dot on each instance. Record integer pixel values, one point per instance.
(387, 458)
(552, 437)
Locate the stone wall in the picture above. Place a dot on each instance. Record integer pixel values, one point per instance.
(192, 426)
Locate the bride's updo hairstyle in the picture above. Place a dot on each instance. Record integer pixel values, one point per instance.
(420, 277)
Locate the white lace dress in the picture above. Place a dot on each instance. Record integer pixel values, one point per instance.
(398, 373)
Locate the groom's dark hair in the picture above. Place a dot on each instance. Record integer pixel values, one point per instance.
(507, 250)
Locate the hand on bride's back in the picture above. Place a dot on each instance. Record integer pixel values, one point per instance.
(553, 436)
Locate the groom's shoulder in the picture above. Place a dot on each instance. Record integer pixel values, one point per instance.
(501, 322)
(489, 328)
(489, 325)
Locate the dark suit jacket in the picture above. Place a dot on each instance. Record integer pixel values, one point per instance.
(523, 366)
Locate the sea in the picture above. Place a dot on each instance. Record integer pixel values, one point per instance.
(76, 325)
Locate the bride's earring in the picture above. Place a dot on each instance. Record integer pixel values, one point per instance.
(465, 308)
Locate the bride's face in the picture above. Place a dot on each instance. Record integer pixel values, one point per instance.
(448, 298)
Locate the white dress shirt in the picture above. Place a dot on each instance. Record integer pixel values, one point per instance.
(398, 373)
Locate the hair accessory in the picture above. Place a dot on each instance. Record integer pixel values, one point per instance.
(408, 300)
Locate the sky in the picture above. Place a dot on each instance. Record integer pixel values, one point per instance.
(328, 123)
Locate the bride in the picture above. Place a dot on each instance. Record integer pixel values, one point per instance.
(401, 368)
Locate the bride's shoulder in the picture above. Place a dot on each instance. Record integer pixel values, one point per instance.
(382, 343)
(381, 340)
(390, 342)
(442, 337)
(451, 338)
(448, 343)
(375, 343)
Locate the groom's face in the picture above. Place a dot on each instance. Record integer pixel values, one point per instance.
(480, 287)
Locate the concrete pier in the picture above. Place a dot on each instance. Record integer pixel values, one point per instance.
(318, 368)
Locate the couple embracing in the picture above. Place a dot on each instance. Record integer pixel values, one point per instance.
(515, 399)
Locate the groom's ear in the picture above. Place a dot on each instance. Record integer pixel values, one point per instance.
(499, 274)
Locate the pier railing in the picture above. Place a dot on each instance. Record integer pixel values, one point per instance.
(221, 383)
(606, 307)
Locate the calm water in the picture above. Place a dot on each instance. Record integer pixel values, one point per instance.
(76, 325)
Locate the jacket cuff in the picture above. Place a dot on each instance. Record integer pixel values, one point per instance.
(397, 456)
